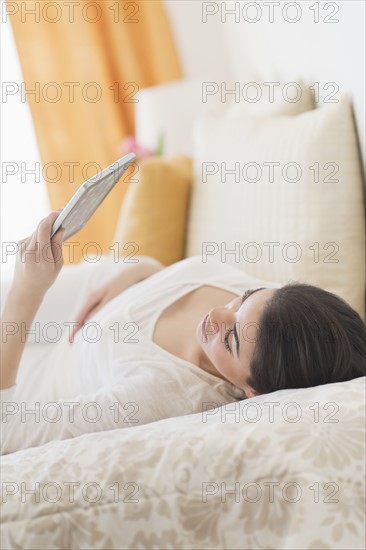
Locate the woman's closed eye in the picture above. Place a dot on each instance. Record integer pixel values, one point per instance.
(226, 339)
(246, 294)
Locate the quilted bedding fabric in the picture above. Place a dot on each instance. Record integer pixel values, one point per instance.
(283, 470)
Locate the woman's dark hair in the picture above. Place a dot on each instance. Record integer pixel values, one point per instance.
(307, 337)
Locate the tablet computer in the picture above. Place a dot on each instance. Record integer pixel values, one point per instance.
(88, 197)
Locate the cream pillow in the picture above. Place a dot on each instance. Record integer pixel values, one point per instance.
(270, 98)
(292, 205)
(152, 220)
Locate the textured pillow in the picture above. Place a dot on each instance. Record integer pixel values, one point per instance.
(262, 98)
(156, 112)
(152, 220)
(291, 207)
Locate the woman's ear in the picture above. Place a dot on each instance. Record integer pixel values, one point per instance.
(249, 392)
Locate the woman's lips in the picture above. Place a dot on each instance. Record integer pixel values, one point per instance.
(204, 326)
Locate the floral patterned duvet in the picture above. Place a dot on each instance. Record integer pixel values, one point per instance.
(283, 470)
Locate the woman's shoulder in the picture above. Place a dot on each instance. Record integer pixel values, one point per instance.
(200, 264)
(195, 269)
(213, 269)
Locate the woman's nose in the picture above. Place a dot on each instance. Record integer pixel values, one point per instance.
(219, 318)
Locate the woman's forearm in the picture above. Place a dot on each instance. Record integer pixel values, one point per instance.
(145, 269)
(128, 275)
(132, 273)
(16, 319)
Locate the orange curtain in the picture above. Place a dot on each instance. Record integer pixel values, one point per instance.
(82, 64)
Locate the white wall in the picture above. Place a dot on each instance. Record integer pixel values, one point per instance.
(316, 52)
(203, 48)
(228, 47)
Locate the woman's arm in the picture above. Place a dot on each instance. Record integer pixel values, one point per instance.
(129, 275)
(135, 402)
(17, 317)
(38, 263)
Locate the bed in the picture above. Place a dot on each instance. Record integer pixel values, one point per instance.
(283, 470)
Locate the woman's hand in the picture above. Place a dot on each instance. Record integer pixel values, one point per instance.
(129, 275)
(39, 259)
(94, 302)
(98, 298)
(38, 263)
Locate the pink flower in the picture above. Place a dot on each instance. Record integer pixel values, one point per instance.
(130, 145)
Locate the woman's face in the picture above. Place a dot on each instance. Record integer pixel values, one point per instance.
(228, 335)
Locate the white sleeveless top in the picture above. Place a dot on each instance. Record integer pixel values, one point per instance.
(114, 375)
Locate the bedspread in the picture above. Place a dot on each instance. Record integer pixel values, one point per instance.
(283, 470)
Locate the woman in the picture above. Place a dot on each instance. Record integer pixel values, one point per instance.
(164, 342)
